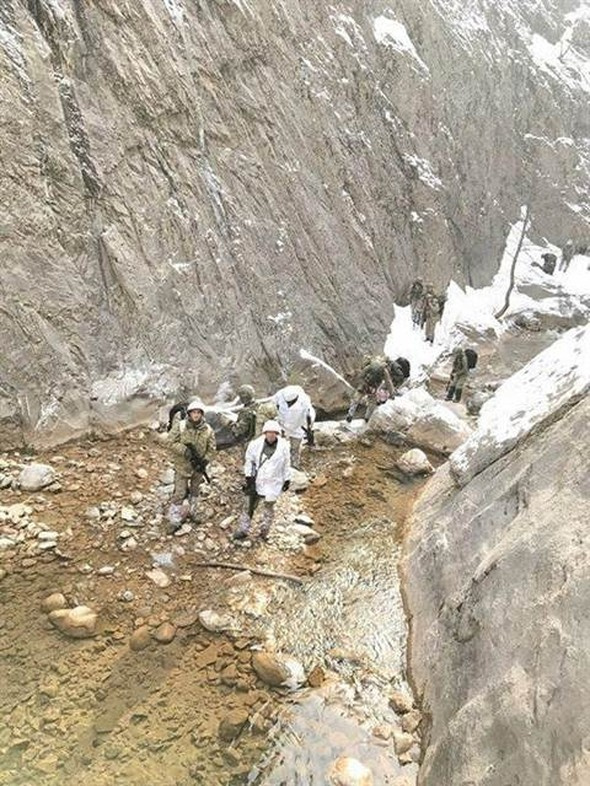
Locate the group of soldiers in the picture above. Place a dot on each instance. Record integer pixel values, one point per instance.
(274, 430)
(550, 260)
(426, 307)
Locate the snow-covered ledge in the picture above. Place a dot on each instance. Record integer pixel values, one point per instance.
(555, 378)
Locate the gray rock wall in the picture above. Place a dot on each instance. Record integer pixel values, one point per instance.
(498, 587)
(193, 190)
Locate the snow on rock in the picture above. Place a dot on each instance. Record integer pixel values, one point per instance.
(424, 421)
(560, 301)
(392, 33)
(555, 378)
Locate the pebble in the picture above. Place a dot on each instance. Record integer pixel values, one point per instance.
(141, 473)
(165, 633)
(232, 724)
(106, 570)
(127, 596)
(54, 602)
(159, 578)
(140, 638)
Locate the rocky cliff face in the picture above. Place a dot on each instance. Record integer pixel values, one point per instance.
(191, 191)
(497, 587)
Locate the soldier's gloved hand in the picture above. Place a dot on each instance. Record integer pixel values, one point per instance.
(310, 437)
(348, 418)
(286, 485)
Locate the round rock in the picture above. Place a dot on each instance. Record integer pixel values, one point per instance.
(346, 771)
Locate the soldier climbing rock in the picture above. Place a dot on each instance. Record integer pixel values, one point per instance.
(379, 379)
(267, 473)
(192, 442)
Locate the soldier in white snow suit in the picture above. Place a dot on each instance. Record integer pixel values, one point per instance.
(296, 416)
(267, 471)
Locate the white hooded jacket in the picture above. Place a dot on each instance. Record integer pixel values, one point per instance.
(293, 418)
(271, 472)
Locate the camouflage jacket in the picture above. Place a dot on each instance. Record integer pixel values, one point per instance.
(251, 419)
(183, 433)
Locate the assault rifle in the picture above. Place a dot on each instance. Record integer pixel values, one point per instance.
(198, 463)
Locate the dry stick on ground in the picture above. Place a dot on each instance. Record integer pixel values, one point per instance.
(513, 266)
(259, 572)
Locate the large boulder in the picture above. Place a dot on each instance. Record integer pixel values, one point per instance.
(422, 420)
(36, 476)
(498, 589)
(536, 394)
(78, 623)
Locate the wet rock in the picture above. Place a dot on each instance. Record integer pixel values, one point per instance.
(36, 476)
(159, 578)
(216, 623)
(400, 702)
(165, 633)
(278, 670)
(402, 742)
(140, 639)
(347, 771)
(232, 724)
(78, 623)
(411, 721)
(415, 462)
(54, 602)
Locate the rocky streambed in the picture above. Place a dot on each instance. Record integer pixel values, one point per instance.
(126, 657)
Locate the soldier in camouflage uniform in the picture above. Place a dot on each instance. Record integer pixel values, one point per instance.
(431, 313)
(192, 442)
(252, 416)
(379, 373)
(459, 374)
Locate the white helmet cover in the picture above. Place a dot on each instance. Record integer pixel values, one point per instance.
(271, 425)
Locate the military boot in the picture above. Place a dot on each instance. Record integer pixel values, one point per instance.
(243, 529)
(266, 522)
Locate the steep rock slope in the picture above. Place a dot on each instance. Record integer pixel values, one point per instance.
(192, 190)
(498, 584)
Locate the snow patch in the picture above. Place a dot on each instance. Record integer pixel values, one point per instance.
(389, 32)
(424, 171)
(556, 377)
(316, 361)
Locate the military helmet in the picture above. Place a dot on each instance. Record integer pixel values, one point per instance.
(271, 425)
(196, 404)
(246, 393)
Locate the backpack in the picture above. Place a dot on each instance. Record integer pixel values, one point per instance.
(373, 372)
(176, 409)
(471, 356)
(404, 365)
